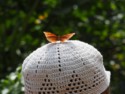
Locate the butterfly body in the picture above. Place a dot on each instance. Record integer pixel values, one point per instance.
(54, 38)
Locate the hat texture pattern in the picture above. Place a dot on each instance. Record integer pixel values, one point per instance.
(72, 67)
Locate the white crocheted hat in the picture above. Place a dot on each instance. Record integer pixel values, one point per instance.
(72, 67)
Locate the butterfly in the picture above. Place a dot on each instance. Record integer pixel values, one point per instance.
(54, 38)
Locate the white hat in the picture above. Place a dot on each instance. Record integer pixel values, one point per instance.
(72, 67)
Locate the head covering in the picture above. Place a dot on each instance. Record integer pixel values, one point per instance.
(71, 67)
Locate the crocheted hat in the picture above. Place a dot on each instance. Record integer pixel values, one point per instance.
(71, 67)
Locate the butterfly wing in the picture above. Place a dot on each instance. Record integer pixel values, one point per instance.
(66, 37)
(51, 37)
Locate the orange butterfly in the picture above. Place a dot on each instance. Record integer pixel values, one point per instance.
(54, 38)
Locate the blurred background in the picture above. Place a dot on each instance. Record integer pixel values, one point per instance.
(100, 23)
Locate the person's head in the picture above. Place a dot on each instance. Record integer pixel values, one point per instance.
(72, 67)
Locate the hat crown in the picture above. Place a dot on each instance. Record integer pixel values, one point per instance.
(72, 67)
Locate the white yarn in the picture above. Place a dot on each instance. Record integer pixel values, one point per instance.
(72, 67)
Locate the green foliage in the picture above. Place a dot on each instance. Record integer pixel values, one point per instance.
(12, 84)
(99, 22)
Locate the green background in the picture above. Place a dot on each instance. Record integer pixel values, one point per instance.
(100, 23)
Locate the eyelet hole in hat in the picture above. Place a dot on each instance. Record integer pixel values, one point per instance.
(53, 92)
(54, 88)
(39, 92)
(93, 85)
(38, 62)
(45, 88)
(45, 80)
(43, 84)
(41, 88)
(48, 92)
(60, 70)
(80, 90)
(83, 63)
(85, 89)
(71, 80)
(49, 88)
(57, 91)
(59, 65)
(47, 84)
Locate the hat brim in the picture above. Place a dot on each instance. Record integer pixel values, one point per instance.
(108, 74)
